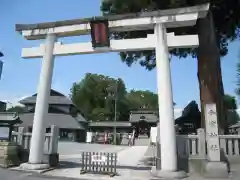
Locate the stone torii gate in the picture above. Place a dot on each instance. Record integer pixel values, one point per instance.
(161, 41)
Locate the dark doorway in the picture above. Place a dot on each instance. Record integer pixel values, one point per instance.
(142, 128)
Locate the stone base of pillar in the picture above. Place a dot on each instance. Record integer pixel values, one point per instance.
(160, 174)
(29, 166)
(216, 170)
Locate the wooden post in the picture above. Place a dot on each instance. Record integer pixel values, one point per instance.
(10, 133)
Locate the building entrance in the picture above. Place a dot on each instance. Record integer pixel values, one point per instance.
(142, 128)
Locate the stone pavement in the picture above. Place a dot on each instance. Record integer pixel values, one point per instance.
(6, 174)
(131, 155)
(73, 148)
(73, 154)
(127, 165)
(131, 164)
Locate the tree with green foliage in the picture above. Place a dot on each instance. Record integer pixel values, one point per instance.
(230, 102)
(142, 100)
(215, 31)
(231, 105)
(95, 95)
(238, 77)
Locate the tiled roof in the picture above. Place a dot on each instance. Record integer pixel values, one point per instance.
(61, 120)
(109, 124)
(9, 117)
(51, 100)
(148, 117)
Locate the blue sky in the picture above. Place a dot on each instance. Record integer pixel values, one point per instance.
(20, 76)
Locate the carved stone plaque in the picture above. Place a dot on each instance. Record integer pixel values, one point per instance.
(212, 136)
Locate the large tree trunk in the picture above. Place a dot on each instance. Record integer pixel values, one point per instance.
(209, 70)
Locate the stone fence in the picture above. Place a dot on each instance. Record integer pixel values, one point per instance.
(23, 139)
(194, 146)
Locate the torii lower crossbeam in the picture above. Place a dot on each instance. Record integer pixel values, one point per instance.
(149, 43)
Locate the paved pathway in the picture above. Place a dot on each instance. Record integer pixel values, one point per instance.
(66, 148)
(6, 174)
(130, 166)
(128, 159)
(71, 151)
(131, 156)
(129, 163)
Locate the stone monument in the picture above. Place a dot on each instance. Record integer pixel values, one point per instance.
(9, 151)
(214, 168)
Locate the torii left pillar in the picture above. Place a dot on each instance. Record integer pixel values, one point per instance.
(168, 148)
(38, 133)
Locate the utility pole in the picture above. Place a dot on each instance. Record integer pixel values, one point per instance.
(115, 112)
(113, 93)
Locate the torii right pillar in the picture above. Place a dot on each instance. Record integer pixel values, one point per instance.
(214, 168)
(169, 168)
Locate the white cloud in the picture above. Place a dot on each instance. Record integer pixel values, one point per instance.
(12, 98)
(14, 101)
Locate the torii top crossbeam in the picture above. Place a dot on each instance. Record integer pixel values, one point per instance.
(128, 22)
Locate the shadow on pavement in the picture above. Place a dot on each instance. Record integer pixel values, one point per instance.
(140, 168)
(148, 161)
(183, 163)
(69, 165)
